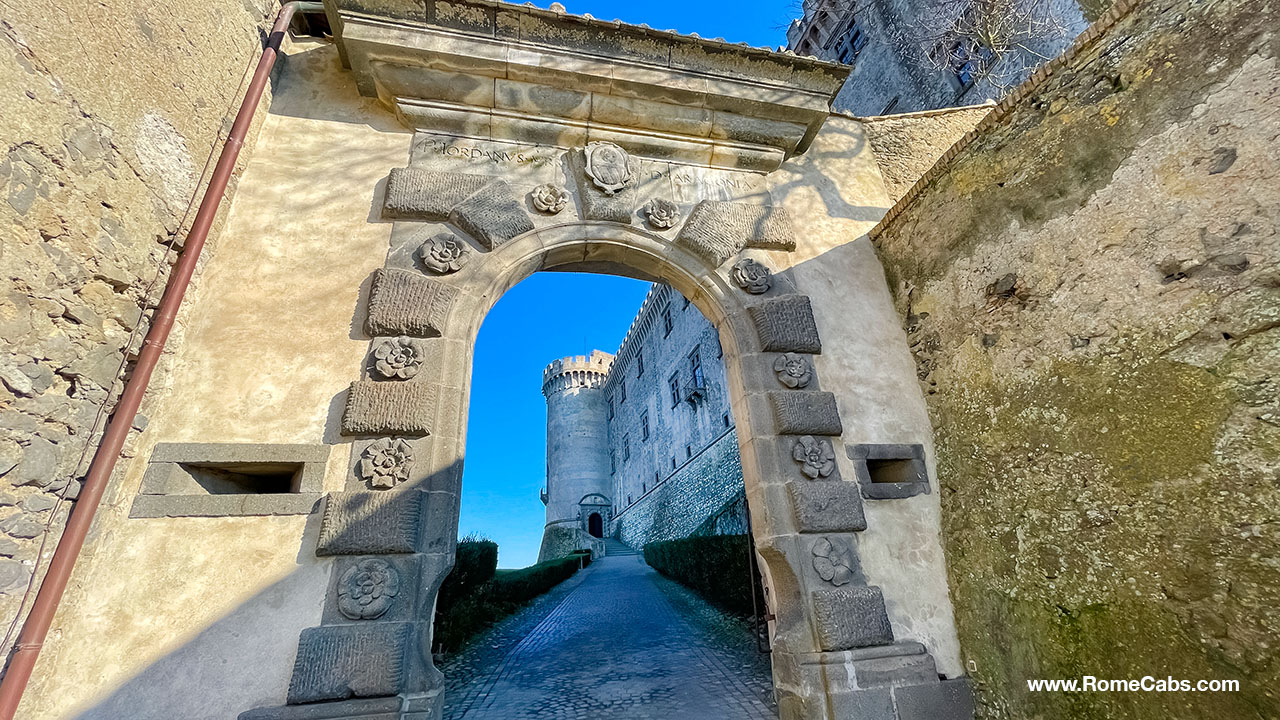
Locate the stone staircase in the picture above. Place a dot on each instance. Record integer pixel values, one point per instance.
(617, 548)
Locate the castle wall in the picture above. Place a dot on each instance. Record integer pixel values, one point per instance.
(577, 445)
(199, 617)
(1096, 329)
(108, 112)
(678, 430)
(686, 498)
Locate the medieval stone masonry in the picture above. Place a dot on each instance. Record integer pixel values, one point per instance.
(995, 387)
(644, 440)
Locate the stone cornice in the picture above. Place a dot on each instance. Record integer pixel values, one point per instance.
(497, 71)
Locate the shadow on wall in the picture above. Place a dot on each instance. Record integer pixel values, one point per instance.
(806, 172)
(228, 655)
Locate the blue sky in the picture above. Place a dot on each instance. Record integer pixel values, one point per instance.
(548, 316)
(755, 22)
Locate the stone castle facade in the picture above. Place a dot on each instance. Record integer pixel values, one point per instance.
(641, 445)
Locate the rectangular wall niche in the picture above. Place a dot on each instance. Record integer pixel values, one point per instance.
(892, 471)
(226, 479)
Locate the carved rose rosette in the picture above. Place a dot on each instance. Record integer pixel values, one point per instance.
(548, 198)
(816, 457)
(443, 253)
(399, 357)
(367, 589)
(794, 370)
(662, 213)
(752, 276)
(834, 563)
(386, 463)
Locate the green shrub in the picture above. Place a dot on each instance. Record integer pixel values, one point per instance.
(475, 562)
(472, 607)
(716, 567)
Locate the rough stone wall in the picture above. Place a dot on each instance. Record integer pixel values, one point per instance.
(107, 114)
(907, 145)
(1091, 291)
(683, 502)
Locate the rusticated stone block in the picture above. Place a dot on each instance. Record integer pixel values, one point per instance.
(851, 617)
(337, 662)
(492, 216)
(827, 507)
(415, 194)
(719, 230)
(785, 324)
(800, 412)
(406, 303)
(370, 523)
(389, 408)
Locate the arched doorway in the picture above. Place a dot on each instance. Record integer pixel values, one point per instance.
(595, 525)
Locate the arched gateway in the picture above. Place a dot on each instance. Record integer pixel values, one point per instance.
(547, 142)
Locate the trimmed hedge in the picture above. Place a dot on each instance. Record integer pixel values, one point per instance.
(470, 607)
(714, 566)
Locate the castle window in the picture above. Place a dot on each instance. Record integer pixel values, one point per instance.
(695, 366)
(726, 420)
(639, 365)
(644, 426)
(644, 488)
(688, 451)
(622, 391)
(626, 448)
(656, 478)
(628, 499)
(673, 463)
(610, 407)
(675, 389)
(892, 104)
(666, 321)
(613, 463)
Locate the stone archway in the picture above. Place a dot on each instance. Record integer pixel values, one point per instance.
(409, 413)
(595, 525)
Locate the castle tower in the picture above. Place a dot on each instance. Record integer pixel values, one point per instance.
(577, 454)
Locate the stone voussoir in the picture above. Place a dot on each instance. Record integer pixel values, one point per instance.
(406, 303)
(390, 408)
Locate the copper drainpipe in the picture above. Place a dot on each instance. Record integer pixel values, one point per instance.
(36, 627)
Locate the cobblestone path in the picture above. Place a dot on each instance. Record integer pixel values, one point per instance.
(616, 641)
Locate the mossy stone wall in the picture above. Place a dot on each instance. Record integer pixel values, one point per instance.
(1091, 288)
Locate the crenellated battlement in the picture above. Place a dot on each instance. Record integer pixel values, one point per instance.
(577, 371)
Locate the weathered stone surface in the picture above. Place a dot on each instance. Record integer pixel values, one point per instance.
(887, 471)
(719, 230)
(802, 412)
(389, 408)
(822, 507)
(785, 324)
(406, 303)
(851, 617)
(13, 575)
(596, 204)
(344, 661)
(946, 700)
(492, 216)
(370, 523)
(416, 194)
(355, 709)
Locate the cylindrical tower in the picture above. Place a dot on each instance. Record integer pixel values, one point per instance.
(577, 449)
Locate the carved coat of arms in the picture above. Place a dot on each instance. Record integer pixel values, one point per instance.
(609, 166)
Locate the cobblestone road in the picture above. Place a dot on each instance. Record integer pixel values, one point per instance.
(616, 641)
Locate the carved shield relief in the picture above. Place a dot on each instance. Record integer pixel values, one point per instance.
(609, 166)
